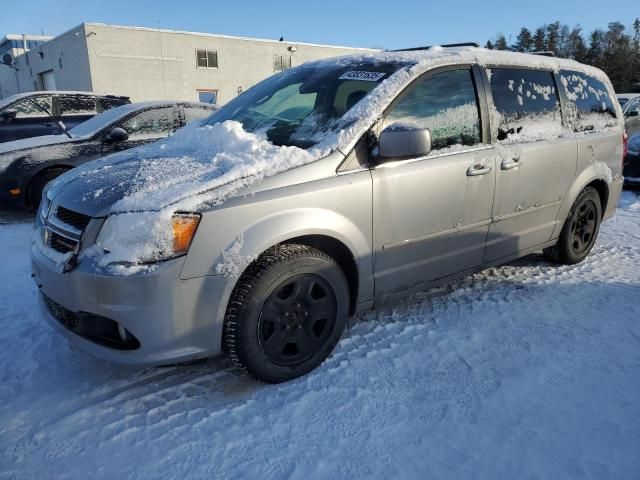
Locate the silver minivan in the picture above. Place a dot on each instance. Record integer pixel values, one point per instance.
(323, 191)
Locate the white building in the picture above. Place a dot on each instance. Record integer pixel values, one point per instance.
(152, 64)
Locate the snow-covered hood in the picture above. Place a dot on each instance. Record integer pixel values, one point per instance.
(198, 166)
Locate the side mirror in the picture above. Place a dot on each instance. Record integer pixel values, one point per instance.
(633, 113)
(7, 115)
(398, 142)
(118, 134)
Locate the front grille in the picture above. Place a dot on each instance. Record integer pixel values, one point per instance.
(75, 219)
(62, 244)
(95, 328)
(63, 229)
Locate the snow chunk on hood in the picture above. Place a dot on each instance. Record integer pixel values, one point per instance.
(199, 160)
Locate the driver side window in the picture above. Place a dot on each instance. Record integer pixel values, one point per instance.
(446, 104)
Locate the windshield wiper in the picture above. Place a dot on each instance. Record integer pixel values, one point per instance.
(58, 123)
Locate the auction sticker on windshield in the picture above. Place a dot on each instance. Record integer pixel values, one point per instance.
(359, 75)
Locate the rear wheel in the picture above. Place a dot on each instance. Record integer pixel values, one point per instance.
(580, 229)
(286, 314)
(39, 182)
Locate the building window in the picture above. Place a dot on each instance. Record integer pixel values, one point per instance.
(208, 96)
(281, 63)
(206, 58)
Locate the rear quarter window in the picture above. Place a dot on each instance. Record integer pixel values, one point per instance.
(73, 105)
(525, 104)
(590, 102)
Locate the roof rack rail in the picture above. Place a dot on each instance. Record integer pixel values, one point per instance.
(545, 53)
(444, 45)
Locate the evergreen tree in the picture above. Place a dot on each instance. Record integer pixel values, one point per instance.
(501, 42)
(539, 39)
(596, 48)
(553, 37)
(578, 47)
(524, 41)
(489, 45)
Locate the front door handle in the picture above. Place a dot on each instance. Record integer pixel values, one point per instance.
(475, 170)
(508, 164)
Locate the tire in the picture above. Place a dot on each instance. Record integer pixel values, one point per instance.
(286, 313)
(39, 182)
(579, 231)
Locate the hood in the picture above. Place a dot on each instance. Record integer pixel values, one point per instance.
(197, 167)
(34, 142)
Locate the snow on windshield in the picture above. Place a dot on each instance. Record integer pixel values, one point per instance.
(205, 165)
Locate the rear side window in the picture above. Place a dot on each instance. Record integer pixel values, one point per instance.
(76, 105)
(108, 103)
(195, 113)
(150, 123)
(446, 104)
(526, 104)
(591, 104)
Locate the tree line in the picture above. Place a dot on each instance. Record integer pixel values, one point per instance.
(613, 50)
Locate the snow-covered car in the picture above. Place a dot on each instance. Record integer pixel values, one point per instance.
(631, 170)
(27, 165)
(322, 191)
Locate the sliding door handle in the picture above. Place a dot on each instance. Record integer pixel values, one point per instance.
(508, 164)
(475, 170)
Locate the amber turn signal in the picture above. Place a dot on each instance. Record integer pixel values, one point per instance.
(184, 228)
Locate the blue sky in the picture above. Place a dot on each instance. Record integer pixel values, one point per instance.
(388, 24)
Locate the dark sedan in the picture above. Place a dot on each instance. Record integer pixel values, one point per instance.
(631, 170)
(27, 165)
(35, 114)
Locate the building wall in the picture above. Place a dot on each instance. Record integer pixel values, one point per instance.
(65, 56)
(148, 64)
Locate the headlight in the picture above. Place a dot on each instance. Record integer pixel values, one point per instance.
(146, 237)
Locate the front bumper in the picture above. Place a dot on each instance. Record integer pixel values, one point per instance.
(174, 320)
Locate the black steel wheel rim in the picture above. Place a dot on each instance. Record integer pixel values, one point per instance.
(297, 319)
(583, 227)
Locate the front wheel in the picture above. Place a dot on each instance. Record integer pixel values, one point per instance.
(580, 229)
(286, 313)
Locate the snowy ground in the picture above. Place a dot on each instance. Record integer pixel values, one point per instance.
(529, 371)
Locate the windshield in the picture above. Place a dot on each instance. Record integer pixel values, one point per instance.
(299, 106)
